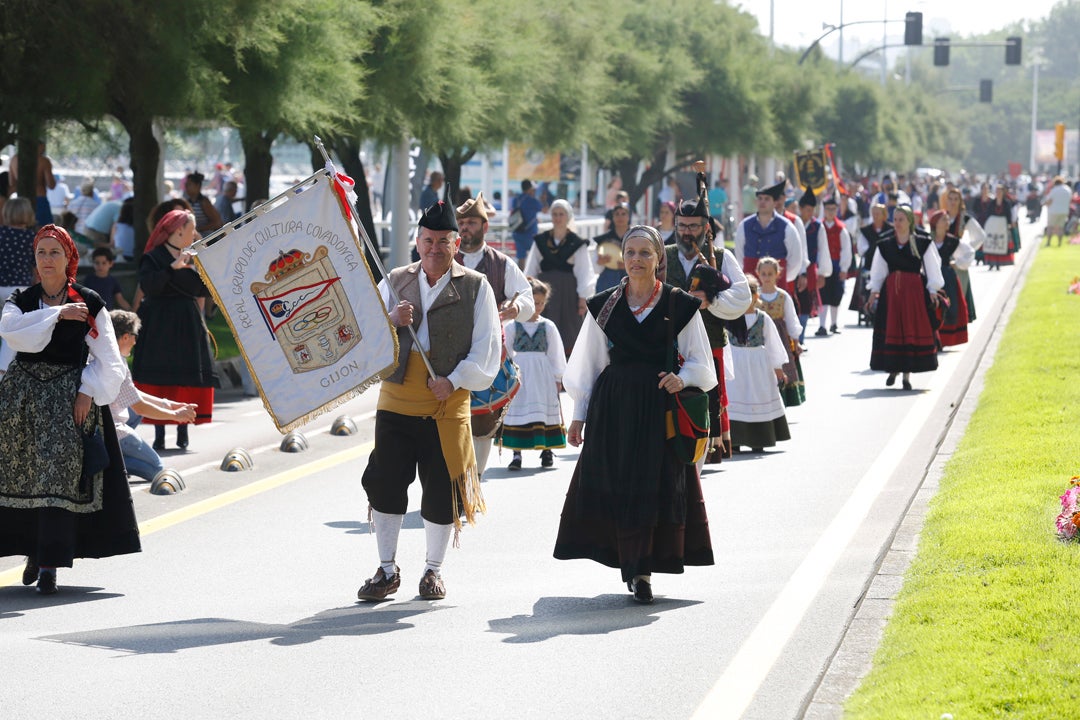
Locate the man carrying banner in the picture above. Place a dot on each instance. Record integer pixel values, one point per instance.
(422, 422)
(513, 294)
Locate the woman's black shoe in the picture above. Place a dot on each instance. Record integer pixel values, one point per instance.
(515, 464)
(642, 590)
(30, 572)
(907, 384)
(159, 437)
(181, 437)
(46, 583)
(891, 380)
(547, 458)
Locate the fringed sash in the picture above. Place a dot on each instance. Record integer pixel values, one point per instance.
(452, 419)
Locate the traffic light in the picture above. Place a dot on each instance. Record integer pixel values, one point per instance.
(1059, 142)
(913, 28)
(986, 91)
(941, 52)
(1012, 51)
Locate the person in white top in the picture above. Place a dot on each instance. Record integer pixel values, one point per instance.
(513, 294)
(1057, 202)
(422, 422)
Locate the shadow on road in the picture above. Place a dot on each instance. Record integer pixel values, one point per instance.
(867, 393)
(171, 637)
(555, 616)
(412, 521)
(16, 599)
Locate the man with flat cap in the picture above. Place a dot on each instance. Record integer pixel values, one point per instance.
(422, 423)
(513, 294)
(692, 235)
(767, 233)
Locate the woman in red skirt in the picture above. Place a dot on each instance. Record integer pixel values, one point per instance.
(904, 280)
(173, 359)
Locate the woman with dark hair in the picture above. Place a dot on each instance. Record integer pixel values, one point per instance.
(632, 504)
(965, 227)
(904, 280)
(954, 253)
(173, 360)
(63, 491)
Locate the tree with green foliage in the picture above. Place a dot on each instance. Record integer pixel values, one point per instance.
(291, 67)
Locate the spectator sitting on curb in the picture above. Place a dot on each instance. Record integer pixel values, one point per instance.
(141, 459)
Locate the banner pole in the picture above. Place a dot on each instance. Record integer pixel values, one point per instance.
(374, 253)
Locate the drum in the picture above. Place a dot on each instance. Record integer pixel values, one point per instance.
(489, 406)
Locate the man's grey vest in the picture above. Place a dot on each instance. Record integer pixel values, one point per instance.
(450, 317)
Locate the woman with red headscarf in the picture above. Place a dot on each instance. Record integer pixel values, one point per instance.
(63, 488)
(173, 359)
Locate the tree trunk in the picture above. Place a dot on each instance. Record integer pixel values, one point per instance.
(27, 151)
(348, 152)
(258, 160)
(145, 157)
(452, 164)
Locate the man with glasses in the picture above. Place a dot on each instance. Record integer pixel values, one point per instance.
(688, 252)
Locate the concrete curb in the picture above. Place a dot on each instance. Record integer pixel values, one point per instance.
(854, 656)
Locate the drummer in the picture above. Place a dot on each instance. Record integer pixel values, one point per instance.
(422, 422)
(609, 249)
(513, 293)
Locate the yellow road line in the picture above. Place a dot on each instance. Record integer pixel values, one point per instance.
(9, 577)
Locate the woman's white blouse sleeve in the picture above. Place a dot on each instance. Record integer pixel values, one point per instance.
(28, 332)
(588, 359)
(698, 368)
(104, 374)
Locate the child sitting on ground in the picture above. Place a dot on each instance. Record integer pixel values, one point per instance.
(534, 419)
(104, 284)
(141, 459)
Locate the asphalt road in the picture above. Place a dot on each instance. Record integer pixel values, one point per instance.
(242, 603)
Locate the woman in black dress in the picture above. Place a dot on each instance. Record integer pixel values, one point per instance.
(61, 497)
(905, 279)
(632, 504)
(173, 359)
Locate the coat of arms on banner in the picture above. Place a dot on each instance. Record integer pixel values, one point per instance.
(810, 170)
(293, 282)
(306, 310)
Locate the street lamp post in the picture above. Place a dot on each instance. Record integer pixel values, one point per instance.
(1036, 61)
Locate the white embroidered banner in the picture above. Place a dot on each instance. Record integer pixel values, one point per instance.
(296, 290)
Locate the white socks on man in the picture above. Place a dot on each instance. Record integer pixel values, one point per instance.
(387, 529)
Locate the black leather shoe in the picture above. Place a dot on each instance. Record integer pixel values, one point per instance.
(891, 380)
(907, 384)
(46, 583)
(181, 437)
(30, 572)
(547, 458)
(642, 590)
(515, 464)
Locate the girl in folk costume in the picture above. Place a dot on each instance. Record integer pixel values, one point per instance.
(1000, 224)
(953, 252)
(534, 420)
(905, 280)
(834, 239)
(965, 227)
(755, 405)
(560, 257)
(778, 305)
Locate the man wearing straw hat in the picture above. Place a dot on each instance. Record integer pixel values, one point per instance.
(513, 294)
(422, 423)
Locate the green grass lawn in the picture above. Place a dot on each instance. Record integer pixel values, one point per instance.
(988, 618)
(226, 343)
